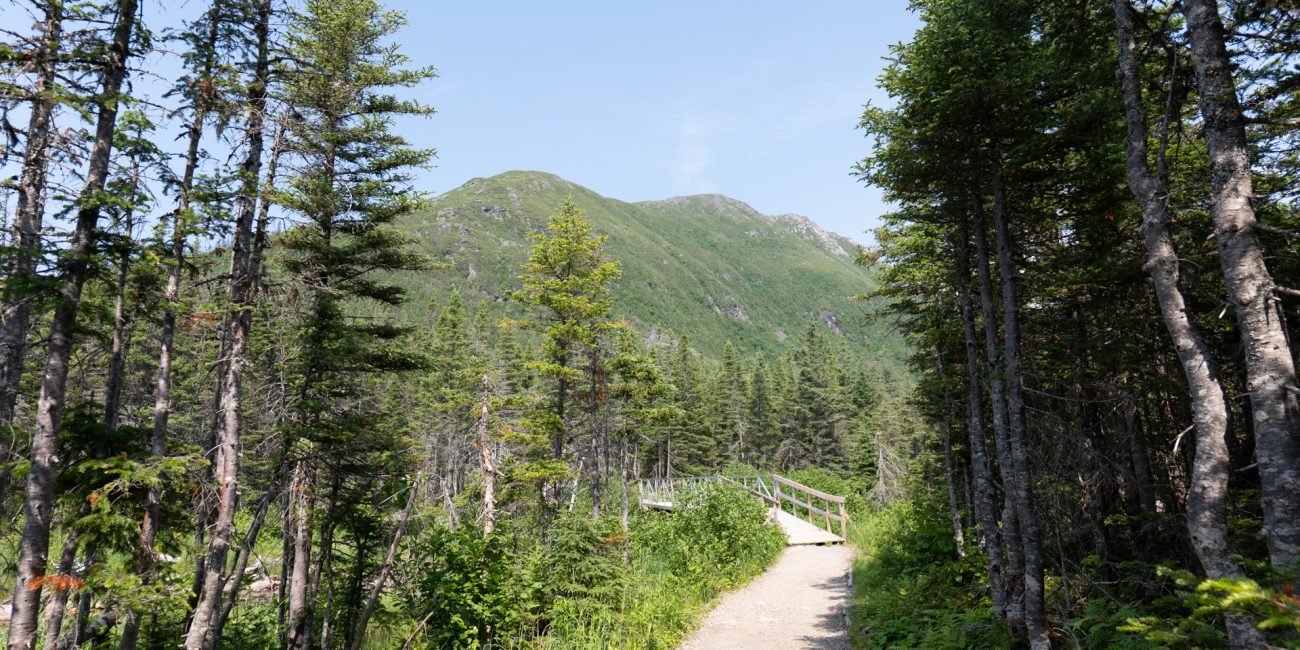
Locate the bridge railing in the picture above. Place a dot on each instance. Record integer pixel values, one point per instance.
(817, 507)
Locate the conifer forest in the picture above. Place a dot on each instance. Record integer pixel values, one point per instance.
(261, 388)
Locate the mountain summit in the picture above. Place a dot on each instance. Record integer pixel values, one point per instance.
(708, 266)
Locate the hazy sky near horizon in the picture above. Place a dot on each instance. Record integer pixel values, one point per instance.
(757, 100)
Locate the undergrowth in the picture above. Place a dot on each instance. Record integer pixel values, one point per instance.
(911, 589)
(589, 586)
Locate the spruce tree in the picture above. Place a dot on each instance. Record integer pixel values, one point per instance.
(353, 182)
(567, 286)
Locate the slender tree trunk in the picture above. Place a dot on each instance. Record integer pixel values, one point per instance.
(1207, 492)
(28, 218)
(593, 432)
(171, 295)
(358, 636)
(236, 577)
(297, 621)
(234, 343)
(1142, 479)
(1015, 581)
(57, 608)
(1022, 487)
(954, 511)
(1270, 368)
(112, 403)
(985, 491)
(38, 502)
(121, 326)
(485, 457)
(622, 481)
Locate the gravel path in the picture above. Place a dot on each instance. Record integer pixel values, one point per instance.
(798, 603)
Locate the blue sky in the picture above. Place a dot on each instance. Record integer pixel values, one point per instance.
(757, 100)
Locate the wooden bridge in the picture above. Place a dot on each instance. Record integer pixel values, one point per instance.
(806, 515)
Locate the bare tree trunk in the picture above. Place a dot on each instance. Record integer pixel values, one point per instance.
(359, 635)
(985, 492)
(38, 502)
(28, 217)
(1142, 479)
(234, 342)
(593, 432)
(954, 511)
(622, 483)
(485, 457)
(1022, 488)
(56, 609)
(236, 577)
(1208, 490)
(1270, 368)
(121, 325)
(1015, 581)
(297, 623)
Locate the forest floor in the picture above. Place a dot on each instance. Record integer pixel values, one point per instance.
(799, 603)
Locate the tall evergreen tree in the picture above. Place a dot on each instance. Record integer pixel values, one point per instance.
(353, 181)
(567, 285)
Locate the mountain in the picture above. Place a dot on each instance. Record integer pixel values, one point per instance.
(707, 266)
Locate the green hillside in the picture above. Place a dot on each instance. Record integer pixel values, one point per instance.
(707, 266)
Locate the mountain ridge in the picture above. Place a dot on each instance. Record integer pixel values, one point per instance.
(706, 266)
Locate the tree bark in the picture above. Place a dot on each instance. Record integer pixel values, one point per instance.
(1015, 581)
(485, 457)
(1270, 368)
(57, 608)
(954, 511)
(298, 623)
(234, 341)
(1207, 493)
(985, 491)
(1022, 489)
(38, 502)
(28, 218)
(235, 579)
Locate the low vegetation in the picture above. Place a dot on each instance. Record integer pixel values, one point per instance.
(590, 586)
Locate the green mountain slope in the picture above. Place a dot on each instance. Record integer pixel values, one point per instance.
(707, 267)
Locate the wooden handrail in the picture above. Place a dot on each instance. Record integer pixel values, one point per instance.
(804, 488)
(658, 492)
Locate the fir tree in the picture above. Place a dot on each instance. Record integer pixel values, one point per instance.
(353, 183)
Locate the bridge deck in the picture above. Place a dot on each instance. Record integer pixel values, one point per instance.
(777, 491)
(799, 532)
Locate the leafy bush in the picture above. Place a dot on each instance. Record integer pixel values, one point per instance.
(912, 589)
(680, 561)
(725, 534)
(467, 589)
(1194, 612)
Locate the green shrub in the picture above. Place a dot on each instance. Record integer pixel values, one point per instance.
(584, 563)
(912, 591)
(680, 561)
(724, 535)
(468, 589)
